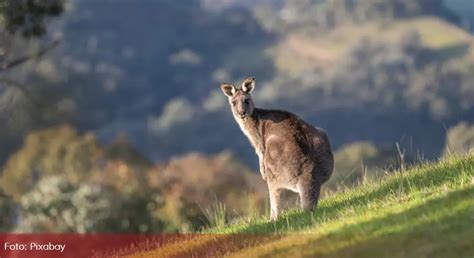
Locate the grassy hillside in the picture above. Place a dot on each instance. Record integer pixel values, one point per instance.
(426, 211)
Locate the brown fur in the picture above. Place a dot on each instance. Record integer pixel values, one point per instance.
(293, 154)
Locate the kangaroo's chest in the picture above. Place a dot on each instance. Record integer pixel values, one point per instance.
(255, 135)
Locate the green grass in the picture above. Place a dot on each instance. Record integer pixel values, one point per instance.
(426, 211)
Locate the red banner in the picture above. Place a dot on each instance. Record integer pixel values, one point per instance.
(119, 245)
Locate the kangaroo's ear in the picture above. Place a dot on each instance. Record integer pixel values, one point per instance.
(228, 89)
(248, 85)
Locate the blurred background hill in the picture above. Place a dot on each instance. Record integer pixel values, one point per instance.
(127, 105)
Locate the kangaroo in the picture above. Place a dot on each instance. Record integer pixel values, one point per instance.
(293, 155)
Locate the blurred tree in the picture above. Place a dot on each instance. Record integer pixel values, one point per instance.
(28, 17)
(125, 167)
(56, 205)
(22, 25)
(61, 150)
(52, 151)
(121, 149)
(7, 212)
(459, 139)
(195, 182)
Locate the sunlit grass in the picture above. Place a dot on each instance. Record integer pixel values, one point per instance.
(216, 216)
(392, 189)
(416, 228)
(424, 211)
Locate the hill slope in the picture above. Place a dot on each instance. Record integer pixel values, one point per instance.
(426, 211)
(298, 52)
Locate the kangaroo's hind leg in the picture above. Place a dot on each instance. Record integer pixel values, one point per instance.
(309, 194)
(275, 195)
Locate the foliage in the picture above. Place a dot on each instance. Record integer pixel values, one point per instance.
(22, 25)
(56, 205)
(7, 212)
(397, 77)
(62, 151)
(66, 169)
(28, 16)
(53, 151)
(194, 183)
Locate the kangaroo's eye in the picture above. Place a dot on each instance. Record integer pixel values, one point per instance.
(233, 103)
(247, 101)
